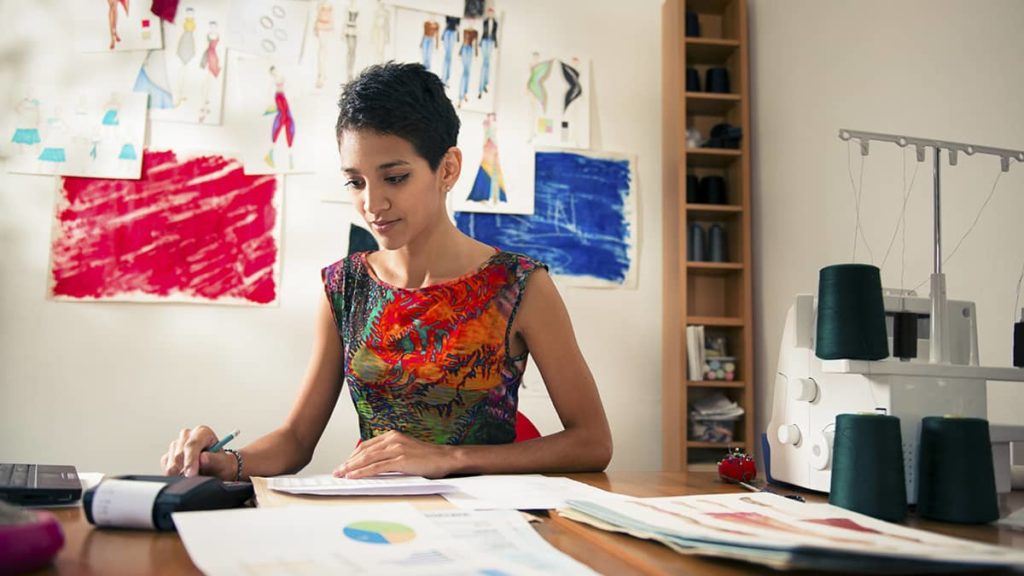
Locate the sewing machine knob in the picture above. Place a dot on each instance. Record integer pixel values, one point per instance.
(803, 390)
(821, 451)
(789, 434)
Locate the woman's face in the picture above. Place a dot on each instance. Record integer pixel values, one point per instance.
(393, 187)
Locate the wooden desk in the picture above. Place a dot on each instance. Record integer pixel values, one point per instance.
(114, 552)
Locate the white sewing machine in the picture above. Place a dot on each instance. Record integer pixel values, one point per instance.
(809, 392)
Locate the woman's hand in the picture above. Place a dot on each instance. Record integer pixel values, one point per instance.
(396, 452)
(185, 456)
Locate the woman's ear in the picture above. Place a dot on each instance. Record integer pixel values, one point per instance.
(451, 167)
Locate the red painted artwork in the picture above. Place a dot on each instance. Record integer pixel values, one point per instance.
(193, 230)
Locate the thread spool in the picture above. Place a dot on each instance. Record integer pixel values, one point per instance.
(692, 80)
(692, 187)
(1018, 343)
(851, 315)
(956, 479)
(718, 250)
(695, 247)
(712, 190)
(867, 466)
(904, 335)
(692, 25)
(717, 80)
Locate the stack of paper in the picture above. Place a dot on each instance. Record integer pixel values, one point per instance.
(383, 485)
(771, 530)
(716, 407)
(377, 539)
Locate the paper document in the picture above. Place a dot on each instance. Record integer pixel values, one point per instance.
(519, 492)
(383, 485)
(775, 531)
(378, 539)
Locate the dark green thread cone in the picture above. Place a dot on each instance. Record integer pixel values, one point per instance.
(956, 480)
(867, 466)
(851, 315)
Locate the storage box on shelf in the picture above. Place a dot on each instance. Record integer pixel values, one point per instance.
(701, 288)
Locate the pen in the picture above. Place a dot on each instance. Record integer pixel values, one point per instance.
(223, 441)
(753, 488)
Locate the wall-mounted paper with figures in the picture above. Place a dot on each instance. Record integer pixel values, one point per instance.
(191, 88)
(115, 25)
(584, 225)
(190, 230)
(76, 133)
(345, 36)
(270, 29)
(463, 52)
(270, 124)
(558, 92)
(497, 169)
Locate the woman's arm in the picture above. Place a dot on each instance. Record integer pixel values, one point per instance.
(584, 445)
(288, 448)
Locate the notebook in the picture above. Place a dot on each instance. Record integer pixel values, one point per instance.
(39, 484)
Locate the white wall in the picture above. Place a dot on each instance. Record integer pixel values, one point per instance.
(947, 69)
(107, 386)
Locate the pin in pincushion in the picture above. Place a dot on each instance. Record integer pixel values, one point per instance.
(737, 466)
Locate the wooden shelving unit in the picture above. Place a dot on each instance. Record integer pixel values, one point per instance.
(717, 295)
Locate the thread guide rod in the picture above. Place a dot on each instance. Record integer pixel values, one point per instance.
(938, 336)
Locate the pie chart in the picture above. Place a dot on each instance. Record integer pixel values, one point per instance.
(376, 532)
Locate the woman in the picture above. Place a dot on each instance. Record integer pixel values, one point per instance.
(432, 332)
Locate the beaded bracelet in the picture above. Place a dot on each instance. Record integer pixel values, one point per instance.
(238, 459)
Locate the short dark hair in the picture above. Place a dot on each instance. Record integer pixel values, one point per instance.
(404, 100)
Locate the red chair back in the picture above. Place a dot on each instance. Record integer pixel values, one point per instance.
(525, 430)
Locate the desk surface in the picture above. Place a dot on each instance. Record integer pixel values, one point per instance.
(90, 551)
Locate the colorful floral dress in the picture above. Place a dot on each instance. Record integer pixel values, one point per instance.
(435, 362)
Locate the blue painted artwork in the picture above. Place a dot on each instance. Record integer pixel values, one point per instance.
(583, 220)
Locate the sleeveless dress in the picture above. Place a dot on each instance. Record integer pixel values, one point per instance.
(433, 363)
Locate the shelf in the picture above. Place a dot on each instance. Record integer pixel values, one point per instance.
(714, 51)
(708, 6)
(710, 103)
(715, 384)
(712, 157)
(723, 321)
(713, 212)
(716, 445)
(715, 267)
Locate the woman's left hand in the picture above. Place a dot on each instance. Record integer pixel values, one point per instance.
(396, 452)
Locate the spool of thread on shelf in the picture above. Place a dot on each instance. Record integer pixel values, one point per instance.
(692, 80)
(719, 251)
(692, 25)
(904, 335)
(1018, 342)
(695, 247)
(717, 80)
(692, 188)
(956, 479)
(867, 466)
(851, 315)
(712, 190)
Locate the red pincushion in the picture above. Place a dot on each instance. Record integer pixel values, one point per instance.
(737, 467)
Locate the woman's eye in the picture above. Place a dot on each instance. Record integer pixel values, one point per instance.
(396, 179)
(354, 184)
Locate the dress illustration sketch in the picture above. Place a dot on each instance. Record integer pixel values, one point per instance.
(26, 135)
(571, 74)
(470, 49)
(540, 70)
(488, 43)
(186, 50)
(283, 120)
(210, 62)
(322, 28)
(112, 19)
(381, 34)
(489, 185)
(351, 38)
(450, 38)
(152, 80)
(429, 42)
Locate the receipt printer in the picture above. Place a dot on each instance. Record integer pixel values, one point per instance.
(147, 502)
